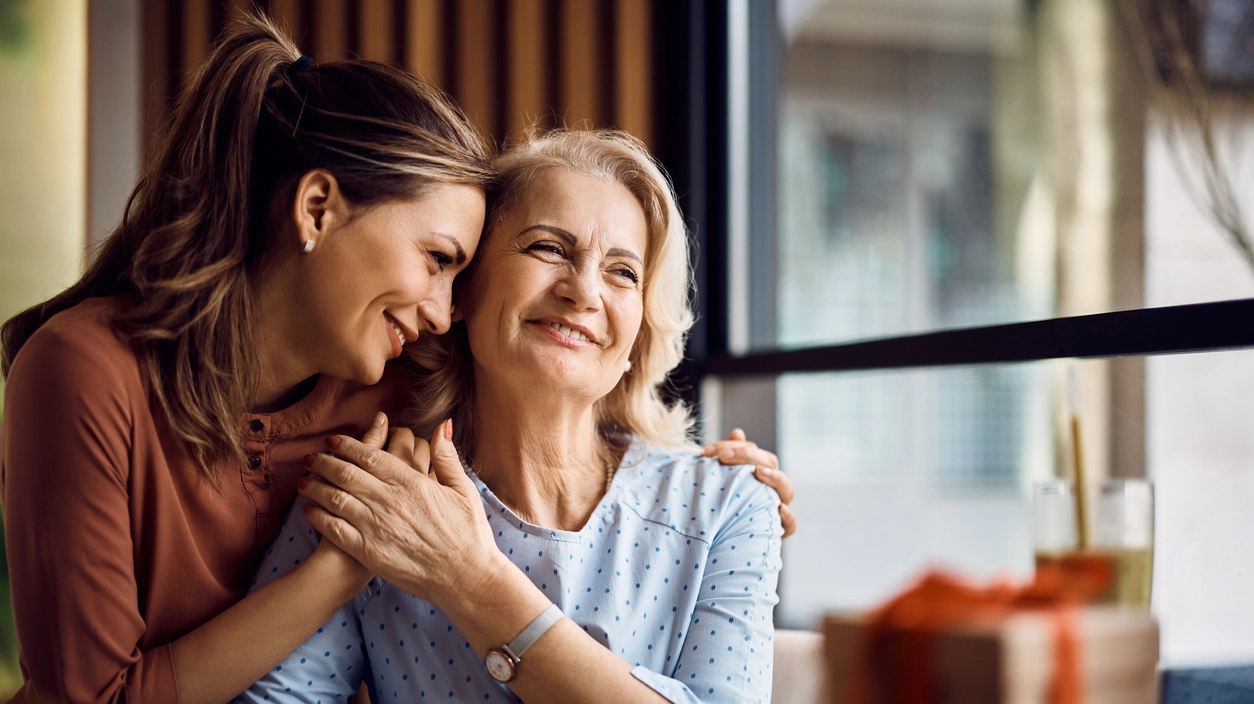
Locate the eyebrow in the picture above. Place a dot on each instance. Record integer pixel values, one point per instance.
(572, 241)
(461, 253)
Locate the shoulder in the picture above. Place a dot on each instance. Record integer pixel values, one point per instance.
(79, 358)
(688, 493)
(79, 341)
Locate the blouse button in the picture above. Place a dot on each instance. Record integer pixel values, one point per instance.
(254, 462)
(257, 426)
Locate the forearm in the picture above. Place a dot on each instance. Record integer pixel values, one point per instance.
(225, 656)
(564, 665)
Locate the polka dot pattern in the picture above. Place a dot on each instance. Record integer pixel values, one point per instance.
(675, 572)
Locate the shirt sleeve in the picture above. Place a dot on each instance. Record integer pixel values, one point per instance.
(66, 448)
(728, 651)
(332, 663)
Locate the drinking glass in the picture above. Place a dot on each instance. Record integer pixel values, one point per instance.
(1124, 529)
(1053, 519)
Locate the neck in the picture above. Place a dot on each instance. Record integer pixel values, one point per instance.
(539, 453)
(284, 375)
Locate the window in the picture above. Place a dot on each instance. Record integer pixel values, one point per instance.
(912, 220)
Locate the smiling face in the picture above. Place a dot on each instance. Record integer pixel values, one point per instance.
(555, 301)
(380, 278)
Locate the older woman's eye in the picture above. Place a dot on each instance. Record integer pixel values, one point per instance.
(546, 247)
(441, 259)
(628, 274)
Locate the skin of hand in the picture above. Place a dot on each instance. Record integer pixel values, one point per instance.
(400, 517)
(738, 450)
(224, 656)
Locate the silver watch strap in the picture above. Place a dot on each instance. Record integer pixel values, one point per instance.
(533, 631)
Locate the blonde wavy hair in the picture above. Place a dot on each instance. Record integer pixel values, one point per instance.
(445, 385)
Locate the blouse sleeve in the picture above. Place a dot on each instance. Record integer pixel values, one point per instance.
(728, 650)
(331, 664)
(66, 444)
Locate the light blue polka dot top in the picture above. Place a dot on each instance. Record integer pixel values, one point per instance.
(675, 572)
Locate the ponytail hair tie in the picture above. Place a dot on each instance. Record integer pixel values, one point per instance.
(300, 64)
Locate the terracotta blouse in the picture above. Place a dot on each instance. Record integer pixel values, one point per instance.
(117, 544)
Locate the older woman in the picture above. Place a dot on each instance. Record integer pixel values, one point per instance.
(591, 554)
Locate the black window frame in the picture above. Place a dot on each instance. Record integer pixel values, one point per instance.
(691, 83)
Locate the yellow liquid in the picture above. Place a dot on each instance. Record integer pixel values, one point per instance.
(1134, 572)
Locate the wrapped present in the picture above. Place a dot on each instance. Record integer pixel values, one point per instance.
(946, 642)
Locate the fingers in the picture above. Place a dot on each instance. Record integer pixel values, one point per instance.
(778, 481)
(377, 433)
(736, 434)
(731, 452)
(333, 499)
(788, 519)
(335, 529)
(445, 464)
(337, 472)
(401, 444)
(376, 462)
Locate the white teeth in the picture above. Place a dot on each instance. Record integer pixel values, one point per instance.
(569, 332)
(399, 333)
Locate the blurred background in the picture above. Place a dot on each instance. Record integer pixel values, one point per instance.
(851, 170)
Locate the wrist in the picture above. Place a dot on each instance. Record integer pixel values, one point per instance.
(337, 571)
(494, 604)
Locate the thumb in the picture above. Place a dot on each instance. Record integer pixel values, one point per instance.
(445, 464)
(377, 434)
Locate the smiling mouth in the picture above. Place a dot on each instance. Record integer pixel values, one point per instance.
(400, 333)
(569, 332)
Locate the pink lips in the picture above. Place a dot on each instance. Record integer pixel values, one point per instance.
(552, 332)
(397, 344)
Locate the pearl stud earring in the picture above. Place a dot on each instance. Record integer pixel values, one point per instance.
(628, 367)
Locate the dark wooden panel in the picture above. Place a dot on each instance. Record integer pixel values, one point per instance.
(375, 23)
(424, 40)
(581, 70)
(633, 68)
(475, 88)
(527, 80)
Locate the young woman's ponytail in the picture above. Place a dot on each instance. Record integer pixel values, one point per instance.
(197, 227)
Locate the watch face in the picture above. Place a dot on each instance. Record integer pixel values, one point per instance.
(499, 666)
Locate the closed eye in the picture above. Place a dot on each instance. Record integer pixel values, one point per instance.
(442, 259)
(546, 246)
(628, 274)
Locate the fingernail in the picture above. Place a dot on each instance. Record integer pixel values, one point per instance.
(302, 482)
(380, 420)
(726, 454)
(766, 471)
(705, 451)
(309, 460)
(333, 441)
(308, 508)
(448, 429)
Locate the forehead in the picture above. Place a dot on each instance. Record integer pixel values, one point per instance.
(585, 205)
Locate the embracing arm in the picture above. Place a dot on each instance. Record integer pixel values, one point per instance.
(67, 447)
(427, 534)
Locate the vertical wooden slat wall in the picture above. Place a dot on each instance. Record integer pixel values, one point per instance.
(510, 64)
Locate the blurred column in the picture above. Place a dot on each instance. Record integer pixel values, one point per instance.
(113, 105)
(1096, 124)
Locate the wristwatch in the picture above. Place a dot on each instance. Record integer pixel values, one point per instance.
(502, 662)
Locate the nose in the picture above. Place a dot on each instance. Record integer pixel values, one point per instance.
(436, 310)
(581, 286)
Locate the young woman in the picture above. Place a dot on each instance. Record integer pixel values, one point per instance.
(300, 224)
(594, 556)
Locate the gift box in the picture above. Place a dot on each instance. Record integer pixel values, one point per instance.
(945, 641)
(1011, 659)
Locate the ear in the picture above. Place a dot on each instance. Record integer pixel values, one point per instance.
(318, 207)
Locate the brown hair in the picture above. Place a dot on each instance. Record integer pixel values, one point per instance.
(197, 229)
(636, 404)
